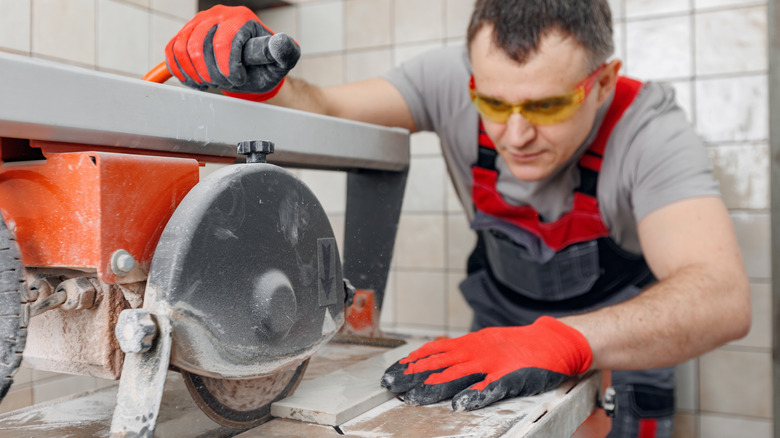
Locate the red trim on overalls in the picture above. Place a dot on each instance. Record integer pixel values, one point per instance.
(648, 427)
(583, 223)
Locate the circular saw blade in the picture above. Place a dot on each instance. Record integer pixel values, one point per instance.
(242, 403)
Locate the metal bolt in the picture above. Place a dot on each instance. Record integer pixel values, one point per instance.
(255, 150)
(80, 294)
(122, 262)
(135, 330)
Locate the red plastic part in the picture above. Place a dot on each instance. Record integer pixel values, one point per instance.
(73, 210)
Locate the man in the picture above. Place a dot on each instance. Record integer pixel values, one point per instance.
(603, 242)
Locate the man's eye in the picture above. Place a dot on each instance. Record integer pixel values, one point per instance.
(495, 103)
(547, 105)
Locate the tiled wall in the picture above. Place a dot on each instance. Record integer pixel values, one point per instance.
(712, 51)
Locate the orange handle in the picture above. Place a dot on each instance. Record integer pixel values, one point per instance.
(158, 74)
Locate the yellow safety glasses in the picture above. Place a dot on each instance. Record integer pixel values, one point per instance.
(548, 111)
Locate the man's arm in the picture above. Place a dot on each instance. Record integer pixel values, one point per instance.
(701, 300)
(372, 101)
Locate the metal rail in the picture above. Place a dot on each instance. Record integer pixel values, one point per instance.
(44, 100)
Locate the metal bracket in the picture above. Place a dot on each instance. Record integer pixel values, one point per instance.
(608, 401)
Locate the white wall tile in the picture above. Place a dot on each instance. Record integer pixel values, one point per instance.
(185, 9)
(736, 382)
(619, 38)
(687, 385)
(368, 23)
(616, 7)
(123, 38)
(743, 173)
(323, 70)
(142, 3)
(458, 17)
(460, 242)
(719, 426)
(417, 21)
(754, 236)
(731, 41)
(659, 48)
(704, 4)
(329, 187)
(421, 299)
(425, 185)
(387, 319)
(459, 314)
(64, 30)
(17, 397)
(162, 29)
(733, 109)
(760, 335)
(367, 64)
(15, 25)
(684, 97)
(643, 8)
(409, 51)
(321, 27)
(284, 20)
(420, 242)
(425, 143)
(685, 425)
(452, 200)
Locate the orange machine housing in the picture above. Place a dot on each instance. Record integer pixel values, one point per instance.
(75, 209)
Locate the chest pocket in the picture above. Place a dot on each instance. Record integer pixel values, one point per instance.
(569, 273)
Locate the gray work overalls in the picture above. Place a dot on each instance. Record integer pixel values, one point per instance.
(523, 268)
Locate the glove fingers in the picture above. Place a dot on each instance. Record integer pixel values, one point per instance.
(285, 51)
(523, 382)
(425, 394)
(176, 50)
(396, 380)
(197, 50)
(433, 347)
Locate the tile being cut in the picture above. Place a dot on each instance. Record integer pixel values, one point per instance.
(339, 396)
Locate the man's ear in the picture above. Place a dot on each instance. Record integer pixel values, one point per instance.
(607, 80)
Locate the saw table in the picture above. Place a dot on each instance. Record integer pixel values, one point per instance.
(553, 414)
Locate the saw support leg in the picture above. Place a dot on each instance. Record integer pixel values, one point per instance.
(141, 386)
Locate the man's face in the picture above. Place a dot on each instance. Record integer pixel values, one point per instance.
(534, 152)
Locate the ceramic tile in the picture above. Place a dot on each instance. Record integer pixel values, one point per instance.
(659, 48)
(185, 9)
(15, 25)
(705, 4)
(417, 21)
(329, 187)
(735, 383)
(387, 317)
(616, 7)
(17, 398)
(23, 375)
(731, 41)
(421, 298)
(683, 96)
(460, 242)
(161, 29)
(407, 52)
(733, 109)
(458, 15)
(452, 200)
(123, 38)
(368, 23)
(61, 387)
(459, 314)
(323, 71)
(367, 64)
(420, 242)
(760, 335)
(687, 385)
(619, 39)
(282, 19)
(455, 42)
(685, 426)
(425, 185)
(321, 28)
(753, 234)
(142, 3)
(64, 30)
(425, 143)
(716, 426)
(105, 383)
(643, 8)
(743, 173)
(40, 376)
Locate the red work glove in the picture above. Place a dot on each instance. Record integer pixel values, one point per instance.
(492, 364)
(208, 52)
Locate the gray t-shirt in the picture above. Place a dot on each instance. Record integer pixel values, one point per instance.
(653, 157)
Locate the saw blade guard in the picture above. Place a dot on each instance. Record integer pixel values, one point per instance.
(249, 273)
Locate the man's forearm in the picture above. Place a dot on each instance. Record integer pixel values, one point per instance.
(301, 95)
(679, 318)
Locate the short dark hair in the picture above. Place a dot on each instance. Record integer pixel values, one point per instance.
(518, 25)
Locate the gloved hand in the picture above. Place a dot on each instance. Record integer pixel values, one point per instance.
(491, 364)
(208, 51)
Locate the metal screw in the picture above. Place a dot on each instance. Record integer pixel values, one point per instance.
(122, 262)
(255, 150)
(135, 330)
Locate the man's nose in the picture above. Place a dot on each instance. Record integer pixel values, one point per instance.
(519, 131)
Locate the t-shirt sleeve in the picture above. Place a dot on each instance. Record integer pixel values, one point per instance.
(429, 83)
(667, 161)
